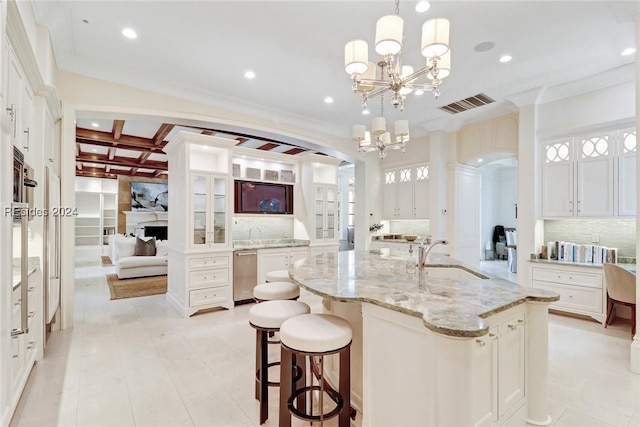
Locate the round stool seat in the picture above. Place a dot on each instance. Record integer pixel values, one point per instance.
(315, 333)
(278, 276)
(276, 291)
(271, 314)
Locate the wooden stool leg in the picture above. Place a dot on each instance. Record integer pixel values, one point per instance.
(299, 361)
(345, 386)
(258, 364)
(285, 387)
(264, 378)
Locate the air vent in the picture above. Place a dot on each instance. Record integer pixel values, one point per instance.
(467, 104)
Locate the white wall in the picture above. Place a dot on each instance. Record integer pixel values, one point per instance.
(506, 196)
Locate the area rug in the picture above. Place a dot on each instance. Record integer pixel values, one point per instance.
(137, 287)
(106, 261)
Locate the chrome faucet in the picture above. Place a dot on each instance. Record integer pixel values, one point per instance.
(250, 230)
(423, 251)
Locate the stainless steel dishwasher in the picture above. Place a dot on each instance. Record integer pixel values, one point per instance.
(245, 274)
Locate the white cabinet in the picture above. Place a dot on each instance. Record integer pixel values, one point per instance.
(200, 253)
(406, 192)
(499, 370)
(278, 259)
(209, 202)
(581, 289)
(589, 176)
(627, 149)
(96, 213)
(325, 213)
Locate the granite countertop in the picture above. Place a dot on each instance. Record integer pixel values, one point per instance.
(630, 267)
(268, 243)
(33, 264)
(447, 306)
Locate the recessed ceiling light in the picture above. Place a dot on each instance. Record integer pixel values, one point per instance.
(365, 112)
(505, 58)
(249, 74)
(129, 33)
(95, 150)
(422, 6)
(480, 160)
(628, 51)
(418, 92)
(95, 125)
(328, 100)
(484, 47)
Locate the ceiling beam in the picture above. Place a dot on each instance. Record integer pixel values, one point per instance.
(208, 132)
(162, 133)
(111, 153)
(100, 173)
(103, 159)
(295, 151)
(88, 136)
(268, 146)
(116, 130)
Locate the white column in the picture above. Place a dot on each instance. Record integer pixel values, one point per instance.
(67, 224)
(530, 227)
(635, 345)
(537, 363)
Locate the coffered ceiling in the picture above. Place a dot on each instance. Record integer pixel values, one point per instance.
(200, 50)
(106, 148)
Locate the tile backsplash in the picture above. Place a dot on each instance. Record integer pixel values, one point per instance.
(272, 227)
(417, 227)
(612, 233)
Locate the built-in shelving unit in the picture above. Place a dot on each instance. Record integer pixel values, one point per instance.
(96, 203)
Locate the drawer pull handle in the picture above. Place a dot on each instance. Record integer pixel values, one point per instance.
(512, 327)
(15, 356)
(480, 342)
(31, 313)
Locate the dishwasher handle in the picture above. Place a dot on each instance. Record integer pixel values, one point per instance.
(245, 253)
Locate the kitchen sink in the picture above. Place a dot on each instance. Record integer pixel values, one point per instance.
(453, 273)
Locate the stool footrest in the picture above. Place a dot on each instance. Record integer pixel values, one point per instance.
(296, 376)
(334, 395)
(315, 371)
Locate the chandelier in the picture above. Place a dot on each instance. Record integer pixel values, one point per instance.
(395, 77)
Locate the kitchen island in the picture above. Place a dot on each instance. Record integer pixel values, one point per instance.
(444, 346)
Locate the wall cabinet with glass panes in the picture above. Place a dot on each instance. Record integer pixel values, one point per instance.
(325, 212)
(200, 249)
(406, 192)
(590, 175)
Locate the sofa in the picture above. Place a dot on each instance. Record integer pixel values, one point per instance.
(129, 265)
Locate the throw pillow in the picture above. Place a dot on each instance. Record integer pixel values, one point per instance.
(162, 247)
(147, 248)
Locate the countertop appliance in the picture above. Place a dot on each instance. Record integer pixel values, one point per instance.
(245, 274)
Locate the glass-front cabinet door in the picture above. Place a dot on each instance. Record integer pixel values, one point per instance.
(219, 210)
(199, 209)
(319, 213)
(325, 212)
(209, 210)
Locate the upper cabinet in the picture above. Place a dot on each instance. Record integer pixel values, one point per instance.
(199, 190)
(209, 202)
(627, 148)
(325, 212)
(406, 192)
(589, 175)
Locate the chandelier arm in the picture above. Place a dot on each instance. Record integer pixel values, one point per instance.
(379, 83)
(416, 75)
(375, 93)
(420, 86)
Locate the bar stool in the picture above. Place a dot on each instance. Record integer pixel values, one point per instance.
(278, 276)
(315, 335)
(276, 291)
(266, 319)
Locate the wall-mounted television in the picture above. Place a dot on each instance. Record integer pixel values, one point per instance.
(263, 198)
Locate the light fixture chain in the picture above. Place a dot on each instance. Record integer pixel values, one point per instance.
(397, 7)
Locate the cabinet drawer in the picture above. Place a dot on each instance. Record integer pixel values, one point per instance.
(208, 295)
(214, 261)
(567, 277)
(574, 297)
(213, 277)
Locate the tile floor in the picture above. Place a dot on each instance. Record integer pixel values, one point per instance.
(134, 362)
